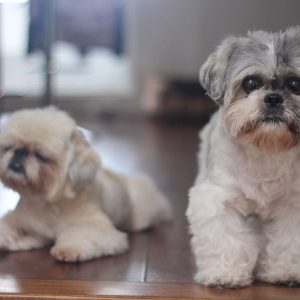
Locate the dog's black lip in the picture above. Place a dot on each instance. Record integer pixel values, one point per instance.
(273, 119)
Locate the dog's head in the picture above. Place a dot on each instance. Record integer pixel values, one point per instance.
(44, 156)
(256, 81)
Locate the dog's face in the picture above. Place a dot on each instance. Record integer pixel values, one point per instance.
(44, 156)
(256, 81)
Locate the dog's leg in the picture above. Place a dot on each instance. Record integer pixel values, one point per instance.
(279, 261)
(15, 238)
(224, 245)
(149, 206)
(88, 238)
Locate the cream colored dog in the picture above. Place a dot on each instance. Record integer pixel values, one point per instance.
(67, 198)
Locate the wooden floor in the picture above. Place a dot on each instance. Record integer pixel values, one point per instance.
(159, 263)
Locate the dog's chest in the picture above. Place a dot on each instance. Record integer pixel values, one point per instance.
(264, 180)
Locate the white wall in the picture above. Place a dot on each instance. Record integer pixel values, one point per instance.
(175, 36)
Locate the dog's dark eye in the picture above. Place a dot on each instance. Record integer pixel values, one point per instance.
(293, 84)
(251, 83)
(6, 148)
(41, 156)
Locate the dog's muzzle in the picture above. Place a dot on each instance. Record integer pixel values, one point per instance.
(273, 109)
(17, 162)
(273, 100)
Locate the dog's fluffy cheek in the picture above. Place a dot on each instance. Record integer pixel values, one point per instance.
(41, 176)
(48, 175)
(32, 171)
(14, 181)
(4, 161)
(241, 116)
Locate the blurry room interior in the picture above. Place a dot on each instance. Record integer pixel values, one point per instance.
(121, 56)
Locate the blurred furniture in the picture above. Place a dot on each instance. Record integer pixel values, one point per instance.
(83, 23)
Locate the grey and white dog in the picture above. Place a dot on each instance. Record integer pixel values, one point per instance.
(244, 208)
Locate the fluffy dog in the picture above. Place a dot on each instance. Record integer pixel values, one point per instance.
(67, 198)
(244, 208)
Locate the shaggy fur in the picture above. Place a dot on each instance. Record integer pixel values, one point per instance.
(244, 208)
(67, 198)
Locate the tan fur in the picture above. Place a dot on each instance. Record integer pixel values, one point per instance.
(66, 196)
(271, 140)
(240, 117)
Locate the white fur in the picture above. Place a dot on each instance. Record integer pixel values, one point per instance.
(237, 182)
(84, 208)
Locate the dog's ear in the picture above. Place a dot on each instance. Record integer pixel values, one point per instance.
(213, 73)
(85, 161)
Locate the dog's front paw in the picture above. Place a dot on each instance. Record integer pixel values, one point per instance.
(12, 239)
(69, 253)
(114, 243)
(73, 250)
(224, 278)
(280, 276)
(284, 269)
(21, 243)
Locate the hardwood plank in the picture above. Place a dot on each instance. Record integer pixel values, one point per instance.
(31, 264)
(170, 258)
(129, 266)
(74, 289)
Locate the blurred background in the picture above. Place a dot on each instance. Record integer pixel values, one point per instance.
(121, 57)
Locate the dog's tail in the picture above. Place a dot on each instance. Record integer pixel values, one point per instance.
(149, 206)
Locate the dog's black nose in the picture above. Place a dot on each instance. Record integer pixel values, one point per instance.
(16, 163)
(20, 153)
(16, 166)
(273, 100)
